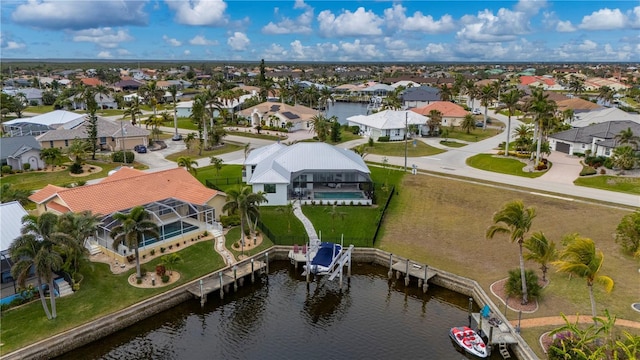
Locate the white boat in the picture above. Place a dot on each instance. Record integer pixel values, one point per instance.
(469, 340)
(324, 258)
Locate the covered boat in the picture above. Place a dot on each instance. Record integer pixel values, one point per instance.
(324, 258)
(469, 340)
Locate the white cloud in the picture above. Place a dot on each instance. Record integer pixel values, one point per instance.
(105, 37)
(238, 41)
(199, 12)
(7, 42)
(505, 25)
(357, 50)
(299, 25)
(200, 40)
(395, 18)
(105, 55)
(171, 41)
(76, 15)
(358, 23)
(274, 52)
(604, 19)
(123, 52)
(530, 7)
(187, 52)
(634, 17)
(565, 26)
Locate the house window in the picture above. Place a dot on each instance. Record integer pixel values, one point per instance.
(397, 132)
(66, 143)
(584, 146)
(270, 188)
(607, 152)
(103, 140)
(51, 144)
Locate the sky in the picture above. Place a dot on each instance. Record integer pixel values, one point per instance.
(344, 31)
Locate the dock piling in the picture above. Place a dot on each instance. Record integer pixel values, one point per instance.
(470, 307)
(266, 260)
(253, 275)
(221, 286)
(390, 273)
(235, 278)
(406, 277)
(202, 297)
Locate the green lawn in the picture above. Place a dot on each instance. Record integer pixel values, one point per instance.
(185, 123)
(110, 112)
(629, 185)
(501, 165)
(397, 148)
(278, 223)
(474, 135)
(249, 133)
(41, 109)
(101, 293)
(193, 153)
(233, 236)
(38, 179)
(453, 144)
(226, 179)
(356, 223)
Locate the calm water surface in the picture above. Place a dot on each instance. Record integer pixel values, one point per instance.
(278, 319)
(343, 110)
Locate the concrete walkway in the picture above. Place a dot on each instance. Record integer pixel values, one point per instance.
(558, 320)
(222, 250)
(308, 226)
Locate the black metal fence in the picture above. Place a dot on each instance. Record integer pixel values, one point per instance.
(381, 215)
(215, 183)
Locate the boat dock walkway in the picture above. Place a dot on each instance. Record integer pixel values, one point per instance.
(407, 268)
(497, 335)
(222, 279)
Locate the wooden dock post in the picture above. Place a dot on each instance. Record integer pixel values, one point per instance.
(221, 286)
(425, 285)
(406, 277)
(340, 280)
(489, 346)
(349, 270)
(470, 307)
(235, 278)
(202, 297)
(253, 275)
(266, 261)
(390, 273)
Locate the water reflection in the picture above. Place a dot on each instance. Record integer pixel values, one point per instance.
(372, 318)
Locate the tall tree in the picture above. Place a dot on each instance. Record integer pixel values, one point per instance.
(543, 110)
(581, 258)
(245, 203)
(173, 90)
(101, 91)
(133, 110)
(131, 230)
(152, 94)
(510, 101)
(217, 164)
(576, 85)
(198, 115)
(320, 125)
(627, 233)
(189, 164)
(487, 94)
(434, 122)
(36, 249)
(51, 156)
(541, 250)
(606, 94)
(77, 150)
(79, 226)
(627, 137)
(468, 123)
(92, 124)
(514, 220)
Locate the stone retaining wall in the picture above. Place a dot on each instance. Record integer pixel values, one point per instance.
(99, 328)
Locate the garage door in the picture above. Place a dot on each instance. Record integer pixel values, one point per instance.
(563, 147)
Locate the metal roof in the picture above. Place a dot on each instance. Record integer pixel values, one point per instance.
(11, 215)
(389, 119)
(49, 119)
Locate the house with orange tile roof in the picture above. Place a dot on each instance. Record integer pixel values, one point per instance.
(452, 114)
(178, 203)
(91, 82)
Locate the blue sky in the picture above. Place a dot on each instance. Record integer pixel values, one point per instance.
(562, 31)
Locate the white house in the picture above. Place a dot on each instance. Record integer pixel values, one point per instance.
(389, 123)
(276, 114)
(309, 172)
(11, 214)
(40, 124)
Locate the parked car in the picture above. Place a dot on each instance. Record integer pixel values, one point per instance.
(476, 111)
(140, 149)
(479, 124)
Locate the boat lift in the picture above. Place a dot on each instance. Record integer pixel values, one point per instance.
(336, 269)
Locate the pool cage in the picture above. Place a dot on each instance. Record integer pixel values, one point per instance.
(175, 218)
(329, 187)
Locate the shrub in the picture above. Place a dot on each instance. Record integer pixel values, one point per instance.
(143, 271)
(162, 249)
(119, 157)
(26, 166)
(205, 233)
(370, 142)
(152, 252)
(383, 139)
(139, 281)
(608, 163)
(170, 247)
(595, 161)
(514, 283)
(81, 183)
(541, 166)
(178, 244)
(588, 170)
(6, 169)
(161, 269)
(165, 278)
(603, 171)
(75, 168)
(355, 130)
(231, 220)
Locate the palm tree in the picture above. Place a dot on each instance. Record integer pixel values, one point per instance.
(79, 227)
(606, 93)
(445, 92)
(624, 157)
(246, 204)
(320, 125)
(510, 101)
(334, 212)
(581, 258)
(188, 163)
(627, 137)
(173, 89)
(487, 94)
(132, 229)
(471, 90)
(188, 140)
(9, 193)
(133, 110)
(543, 111)
(326, 98)
(287, 210)
(51, 156)
(152, 94)
(101, 91)
(541, 250)
(576, 85)
(171, 260)
(198, 115)
(515, 220)
(37, 248)
(217, 164)
(468, 123)
(77, 149)
(434, 122)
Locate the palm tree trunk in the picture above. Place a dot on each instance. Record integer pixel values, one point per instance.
(506, 145)
(593, 300)
(175, 119)
(539, 144)
(523, 278)
(484, 125)
(53, 298)
(138, 274)
(42, 299)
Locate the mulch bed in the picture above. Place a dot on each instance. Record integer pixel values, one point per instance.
(513, 302)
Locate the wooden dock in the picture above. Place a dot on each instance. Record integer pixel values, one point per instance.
(418, 271)
(221, 280)
(499, 335)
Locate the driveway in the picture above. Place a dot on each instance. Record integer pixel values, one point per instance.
(565, 168)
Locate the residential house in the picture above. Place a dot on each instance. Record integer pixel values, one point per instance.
(128, 85)
(309, 172)
(104, 101)
(91, 82)
(602, 115)
(32, 96)
(112, 135)
(40, 124)
(11, 214)
(452, 114)
(577, 105)
(279, 114)
(18, 151)
(598, 138)
(389, 123)
(545, 82)
(178, 203)
(419, 96)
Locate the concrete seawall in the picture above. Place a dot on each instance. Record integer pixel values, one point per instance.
(99, 328)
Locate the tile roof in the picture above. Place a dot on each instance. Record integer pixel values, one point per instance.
(129, 189)
(91, 81)
(447, 108)
(106, 128)
(273, 108)
(577, 104)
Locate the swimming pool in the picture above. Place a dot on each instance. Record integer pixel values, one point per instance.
(338, 195)
(170, 230)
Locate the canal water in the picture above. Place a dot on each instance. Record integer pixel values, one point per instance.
(277, 318)
(343, 110)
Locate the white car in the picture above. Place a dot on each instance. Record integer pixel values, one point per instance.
(476, 111)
